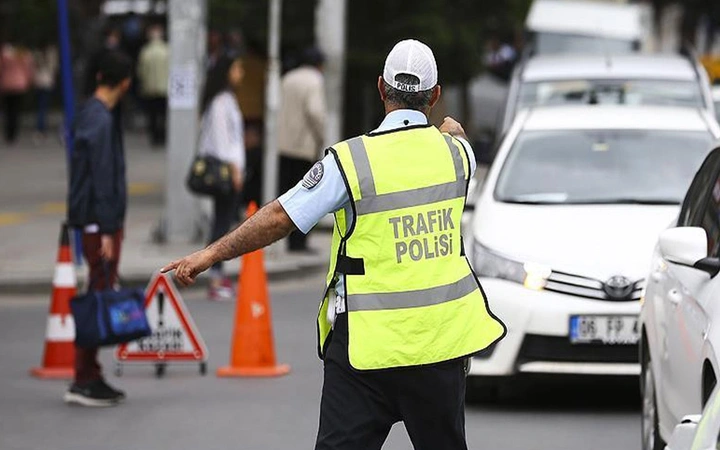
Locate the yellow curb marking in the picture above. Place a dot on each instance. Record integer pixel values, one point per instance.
(12, 218)
(53, 208)
(143, 188)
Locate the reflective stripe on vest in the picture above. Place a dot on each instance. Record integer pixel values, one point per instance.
(372, 203)
(414, 299)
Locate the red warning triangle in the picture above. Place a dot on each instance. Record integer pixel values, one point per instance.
(174, 334)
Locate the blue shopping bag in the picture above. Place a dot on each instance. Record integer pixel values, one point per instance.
(109, 317)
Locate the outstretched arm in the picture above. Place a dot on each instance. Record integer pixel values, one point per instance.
(268, 225)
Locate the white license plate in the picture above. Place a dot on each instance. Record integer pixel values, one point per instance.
(604, 329)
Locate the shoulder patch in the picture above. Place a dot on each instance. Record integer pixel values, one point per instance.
(313, 176)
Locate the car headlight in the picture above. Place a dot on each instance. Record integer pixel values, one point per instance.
(492, 265)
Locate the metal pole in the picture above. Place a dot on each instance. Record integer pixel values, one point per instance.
(187, 51)
(330, 25)
(68, 94)
(272, 105)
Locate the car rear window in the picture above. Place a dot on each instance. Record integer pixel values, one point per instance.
(616, 92)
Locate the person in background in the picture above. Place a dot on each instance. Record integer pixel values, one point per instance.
(16, 72)
(46, 66)
(500, 57)
(301, 126)
(251, 95)
(97, 202)
(152, 70)
(215, 50)
(222, 136)
(111, 42)
(235, 44)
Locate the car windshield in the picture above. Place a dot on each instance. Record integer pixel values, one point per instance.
(618, 92)
(546, 43)
(601, 166)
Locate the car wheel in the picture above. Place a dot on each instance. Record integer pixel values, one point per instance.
(482, 390)
(651, 439)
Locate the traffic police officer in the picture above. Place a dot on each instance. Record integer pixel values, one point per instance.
(402, 309)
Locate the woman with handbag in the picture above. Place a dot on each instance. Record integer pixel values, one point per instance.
(221, 137)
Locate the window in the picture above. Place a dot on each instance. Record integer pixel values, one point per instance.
(693, 205)
(613, 92)
(547, 42)
(711, 217)
(601, 166)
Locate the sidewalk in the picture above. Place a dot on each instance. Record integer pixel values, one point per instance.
(33, 187)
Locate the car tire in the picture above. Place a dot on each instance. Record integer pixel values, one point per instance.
(482, 390)
(651, 439)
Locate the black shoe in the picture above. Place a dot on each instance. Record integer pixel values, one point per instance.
(92, 393)
(119, 395)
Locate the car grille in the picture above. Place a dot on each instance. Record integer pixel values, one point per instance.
(559, 349)
(580, 286)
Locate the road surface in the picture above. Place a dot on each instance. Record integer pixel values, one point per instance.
(187, 411)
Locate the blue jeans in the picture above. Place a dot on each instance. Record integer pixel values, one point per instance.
(43, 102)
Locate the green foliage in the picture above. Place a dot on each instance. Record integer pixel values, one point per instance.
(29, 22)
(455, 30)
(251, 16)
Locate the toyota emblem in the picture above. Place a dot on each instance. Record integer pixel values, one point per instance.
(618, 287)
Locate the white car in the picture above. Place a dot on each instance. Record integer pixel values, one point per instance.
(680, 312)
(563, 229)
(699, 432)
(716, 100)
(638, 79)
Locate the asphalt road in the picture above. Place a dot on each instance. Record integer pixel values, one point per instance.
(187, 411)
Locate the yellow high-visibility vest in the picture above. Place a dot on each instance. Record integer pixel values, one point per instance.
(411, 295)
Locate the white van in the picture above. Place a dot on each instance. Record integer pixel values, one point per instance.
(584, 26)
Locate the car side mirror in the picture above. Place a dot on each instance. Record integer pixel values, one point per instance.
(684, 432)
(687, 246)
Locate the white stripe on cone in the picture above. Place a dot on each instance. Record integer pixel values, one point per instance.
(60, 328)
(64, 275)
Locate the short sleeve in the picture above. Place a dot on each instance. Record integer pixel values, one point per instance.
(470, 154)
(322, 191)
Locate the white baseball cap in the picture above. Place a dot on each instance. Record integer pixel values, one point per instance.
(413, 58)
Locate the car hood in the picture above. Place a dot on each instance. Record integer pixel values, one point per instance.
(596, 241)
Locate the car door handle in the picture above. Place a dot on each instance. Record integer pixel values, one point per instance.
(657, 276)
(675, 297)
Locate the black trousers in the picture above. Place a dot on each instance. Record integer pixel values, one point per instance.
(293, 170)
(358, 408)
(11, 106)
(156, 108)
(224, 214)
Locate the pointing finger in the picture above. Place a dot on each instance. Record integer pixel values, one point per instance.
(173, 265)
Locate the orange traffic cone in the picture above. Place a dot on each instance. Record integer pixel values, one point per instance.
(59, 358)
(253, 351)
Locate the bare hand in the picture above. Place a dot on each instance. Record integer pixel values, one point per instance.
(189, 267)
(107, 244)
(453, 128)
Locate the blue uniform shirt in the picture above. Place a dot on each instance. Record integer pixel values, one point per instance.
(306, 206)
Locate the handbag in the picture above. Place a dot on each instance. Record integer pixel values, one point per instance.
(109, 317)
(210, 176)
